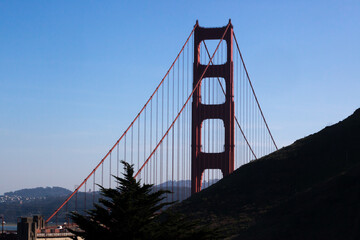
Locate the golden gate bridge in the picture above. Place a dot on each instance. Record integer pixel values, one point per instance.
(202, 122)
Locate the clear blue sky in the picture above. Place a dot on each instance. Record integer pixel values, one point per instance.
(73, 74)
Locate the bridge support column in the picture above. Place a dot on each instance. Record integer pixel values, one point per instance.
(201, 161)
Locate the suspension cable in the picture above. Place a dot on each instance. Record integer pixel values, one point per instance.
(237, 122)
(197, 85)
(253, 91)
(132, 123)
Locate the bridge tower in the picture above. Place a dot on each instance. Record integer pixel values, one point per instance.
(200, 161)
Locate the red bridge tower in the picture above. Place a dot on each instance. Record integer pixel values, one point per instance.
(200, 161)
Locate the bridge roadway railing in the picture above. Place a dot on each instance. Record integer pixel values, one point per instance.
(64, 235)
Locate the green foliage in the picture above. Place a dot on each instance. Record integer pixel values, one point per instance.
(131, 212)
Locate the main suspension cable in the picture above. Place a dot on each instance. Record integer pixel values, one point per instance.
(253, 91)
(130, 126)
(197, 85)
(237, 122)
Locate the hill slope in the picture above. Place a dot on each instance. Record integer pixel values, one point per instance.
(330, 210)
(290, 189)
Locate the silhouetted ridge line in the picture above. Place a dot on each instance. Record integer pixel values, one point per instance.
(256, 193)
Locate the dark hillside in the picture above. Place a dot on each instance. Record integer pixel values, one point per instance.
(330, 210)
(257, 192)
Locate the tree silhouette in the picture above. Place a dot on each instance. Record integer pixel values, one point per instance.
(131, 212)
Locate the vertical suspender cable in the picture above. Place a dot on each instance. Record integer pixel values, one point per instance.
(138, 147)
(145, 172)
(183, 127)
(110, 171)
(132, 145)
(125, 149)
(162, 133)
(156, 138)
(85, 197)
(150, 140)
(102, 174)
(178, 133)
(167, 139)
(76, 201)
(117, 163)
(94, 187)
(247, 74)
(188, 168)
(172, 143)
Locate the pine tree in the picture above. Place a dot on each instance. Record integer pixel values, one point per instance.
(130, 212)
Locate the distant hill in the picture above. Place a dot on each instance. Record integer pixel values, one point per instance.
(44, 201)
(308, 190)
(26, 202)
(39, 192)
(12, 210)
